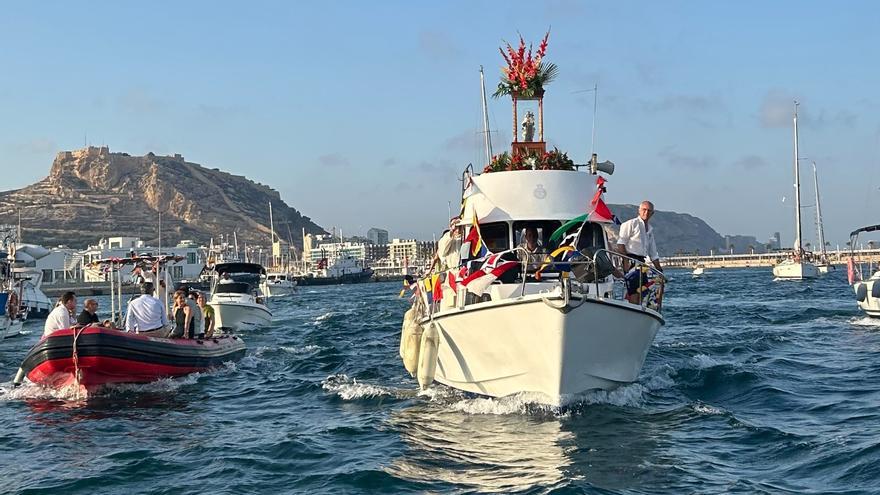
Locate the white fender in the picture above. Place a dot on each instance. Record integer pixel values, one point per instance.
(409, 322)
(411, 348)
(428, 356)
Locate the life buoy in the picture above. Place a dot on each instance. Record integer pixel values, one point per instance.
(12, 306)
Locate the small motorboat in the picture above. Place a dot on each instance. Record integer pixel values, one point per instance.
(863, 274)
(278, 284)
(96, 356)
(698, 270)
(235, 299)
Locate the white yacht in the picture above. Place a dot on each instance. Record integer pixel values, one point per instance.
(796, 267)
(517, 322)
(278, 284)
(864, 277)
(234, 297)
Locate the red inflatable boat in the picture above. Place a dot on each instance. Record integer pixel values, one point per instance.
(102, 355)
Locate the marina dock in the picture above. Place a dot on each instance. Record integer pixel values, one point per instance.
(760, 259)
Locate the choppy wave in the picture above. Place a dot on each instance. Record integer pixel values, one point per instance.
(751, 387)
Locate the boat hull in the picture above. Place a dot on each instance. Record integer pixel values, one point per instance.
(503, 348)
(105, 356)
(233, 316)
(348, 278)
(10, 328)
(871, 303)
(793, 270)
(278, 290)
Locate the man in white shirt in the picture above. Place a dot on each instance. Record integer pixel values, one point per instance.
(145, 313)
(636, 240)
(62, 316)
(448, 248)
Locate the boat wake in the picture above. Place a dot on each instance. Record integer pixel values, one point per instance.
(350, 389)
(865, 321)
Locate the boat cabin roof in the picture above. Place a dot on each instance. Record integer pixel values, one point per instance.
(528, 195)
(239, 267)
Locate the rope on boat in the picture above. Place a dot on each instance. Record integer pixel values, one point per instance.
(77, 372)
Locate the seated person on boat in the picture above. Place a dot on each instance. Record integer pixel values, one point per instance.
(528, 248)
(62, 316)
(145, 313)
(89, 315)
(184, 321)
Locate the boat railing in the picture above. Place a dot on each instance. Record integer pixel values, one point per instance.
(604, 264)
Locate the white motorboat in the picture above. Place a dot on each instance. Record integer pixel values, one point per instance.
(864, 277)
(234, 297)
(698, 270)
(549, 326)
(796, 267)
(555, 337)
(278, 284)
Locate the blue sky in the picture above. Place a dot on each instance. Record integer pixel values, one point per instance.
(364, 113)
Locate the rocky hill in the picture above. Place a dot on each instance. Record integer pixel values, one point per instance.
(681, 232)
(93, 193)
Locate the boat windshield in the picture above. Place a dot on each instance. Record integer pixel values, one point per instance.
(496, 235)
(543, 229)
(233, 288)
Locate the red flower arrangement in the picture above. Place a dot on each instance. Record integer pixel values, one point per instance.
(525, 75)
(550, 160)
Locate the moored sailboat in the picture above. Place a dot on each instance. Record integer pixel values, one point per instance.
(823, 264)
(796, 267)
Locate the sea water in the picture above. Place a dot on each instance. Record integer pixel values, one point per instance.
(753, 386)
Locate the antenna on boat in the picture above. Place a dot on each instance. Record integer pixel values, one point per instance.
(487, 137)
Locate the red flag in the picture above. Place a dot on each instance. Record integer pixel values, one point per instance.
(438, 289)
(599, 211)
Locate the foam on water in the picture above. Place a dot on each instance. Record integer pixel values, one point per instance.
(350, 389)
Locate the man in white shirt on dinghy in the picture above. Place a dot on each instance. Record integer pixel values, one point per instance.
(145, 313)
(62, 316)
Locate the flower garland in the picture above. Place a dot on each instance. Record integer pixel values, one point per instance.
(548, 160)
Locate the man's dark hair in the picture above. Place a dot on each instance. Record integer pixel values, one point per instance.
(147, 288)
(67, 296)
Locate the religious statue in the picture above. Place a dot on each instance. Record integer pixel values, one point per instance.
(528, 127)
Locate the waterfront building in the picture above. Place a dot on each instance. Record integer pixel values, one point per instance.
(120, 247)
(377, 236)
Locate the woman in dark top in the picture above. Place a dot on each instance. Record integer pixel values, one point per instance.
(183, 319)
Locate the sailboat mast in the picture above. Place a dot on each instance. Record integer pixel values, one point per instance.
(487, 138)
(797, 188)
(819, 228)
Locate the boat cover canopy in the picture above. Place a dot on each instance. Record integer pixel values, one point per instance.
(238, 267)
(870, 228)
